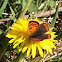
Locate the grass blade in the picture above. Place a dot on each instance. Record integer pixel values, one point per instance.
(55, 16)
(37, 5)
(25, 8)
(46, 7)
(3, 7)
(13, 14)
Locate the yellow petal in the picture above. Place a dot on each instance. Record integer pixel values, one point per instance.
(40, 50)
(25, 48)
(22, 45)
(12, 40)
(15, 45)
(28, 51)
(48, 48)
(20, 49)
(19, 40)
(13, 28)
(33, 50)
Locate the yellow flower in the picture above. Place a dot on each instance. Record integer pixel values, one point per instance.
(20, 36)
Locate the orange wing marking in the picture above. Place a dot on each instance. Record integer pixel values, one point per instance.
(47, 28)
(33, 26)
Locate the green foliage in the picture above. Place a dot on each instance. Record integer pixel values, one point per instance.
(46, 7)
(3, 7)
(3, 44)
(54, 19)
(52, 4)
(31, 7)
(24, 3)
(13, 14)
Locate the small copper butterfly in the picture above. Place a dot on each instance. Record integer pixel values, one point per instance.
(37, 31)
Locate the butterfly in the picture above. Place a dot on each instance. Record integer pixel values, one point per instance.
(37, 31)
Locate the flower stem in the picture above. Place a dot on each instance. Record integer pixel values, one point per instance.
(25, 9)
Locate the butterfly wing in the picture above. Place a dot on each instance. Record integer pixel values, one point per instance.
(33, 26)
(39, 33)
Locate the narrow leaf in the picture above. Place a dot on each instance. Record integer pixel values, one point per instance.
(37, 5)
(55, 16)
(3, 45)
(3, 6)
(13, 14)
(46, 7)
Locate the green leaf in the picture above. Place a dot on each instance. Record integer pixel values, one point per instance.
(46, 7)
(25, 8)
(31, 7)
(52, 4)
(23, 3)
(13, 14)
(3, 7)
(37, 5)
(55, 16)
(1, 35)
(3, 45)
(17, 49)
(18, 2)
